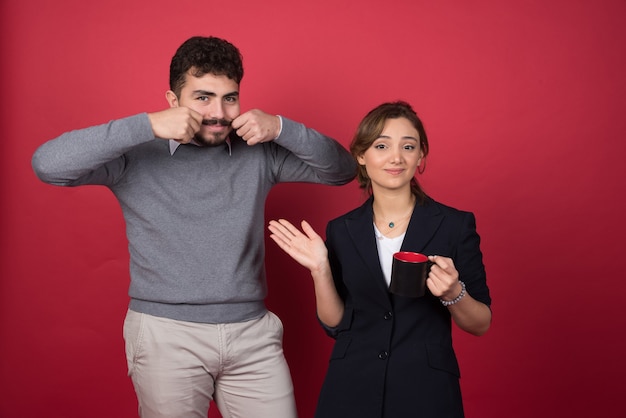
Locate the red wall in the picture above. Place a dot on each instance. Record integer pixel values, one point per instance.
(524, 105)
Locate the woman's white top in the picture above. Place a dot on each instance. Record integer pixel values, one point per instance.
(387, 247)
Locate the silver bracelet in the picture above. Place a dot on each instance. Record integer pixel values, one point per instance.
(456, 299)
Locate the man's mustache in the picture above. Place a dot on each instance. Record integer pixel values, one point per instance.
(211, 122)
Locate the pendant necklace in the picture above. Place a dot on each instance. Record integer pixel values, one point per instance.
(402, 219)
(392, 224)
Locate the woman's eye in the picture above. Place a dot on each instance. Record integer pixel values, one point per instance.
(379, 146)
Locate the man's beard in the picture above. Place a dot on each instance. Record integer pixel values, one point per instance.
(214, 138)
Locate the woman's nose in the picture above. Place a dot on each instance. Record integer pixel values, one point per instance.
(396, 155)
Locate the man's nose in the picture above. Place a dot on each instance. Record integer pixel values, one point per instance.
(216, 110)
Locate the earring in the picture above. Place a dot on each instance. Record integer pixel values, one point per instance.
(421, 167)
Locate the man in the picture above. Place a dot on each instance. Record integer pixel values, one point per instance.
(192, 182)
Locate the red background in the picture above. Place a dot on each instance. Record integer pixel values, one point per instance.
(523, 103)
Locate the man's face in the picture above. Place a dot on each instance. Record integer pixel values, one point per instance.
(216, 98)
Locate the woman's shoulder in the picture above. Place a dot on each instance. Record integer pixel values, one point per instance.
(356, 213)
(435, 205)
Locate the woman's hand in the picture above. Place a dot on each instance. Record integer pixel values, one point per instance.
(443, 279)
(309, 250)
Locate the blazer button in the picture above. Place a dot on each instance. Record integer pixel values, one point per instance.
(388, 316)
(383, 355)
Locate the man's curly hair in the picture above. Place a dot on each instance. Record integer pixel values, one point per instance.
(205, 55)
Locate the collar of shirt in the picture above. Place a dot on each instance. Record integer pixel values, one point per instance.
(174, 146)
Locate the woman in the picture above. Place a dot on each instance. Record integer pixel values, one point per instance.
(393, 355)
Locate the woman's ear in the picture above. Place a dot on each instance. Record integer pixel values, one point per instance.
(171, 98)
(421, 167)
(360, 159)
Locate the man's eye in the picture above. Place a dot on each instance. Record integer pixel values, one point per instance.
(203, 98)
(230, 99)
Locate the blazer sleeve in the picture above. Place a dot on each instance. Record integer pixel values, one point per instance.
(335, 268)
(469, 260)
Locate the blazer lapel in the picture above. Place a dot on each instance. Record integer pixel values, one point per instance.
(361, 230)
(425, 221)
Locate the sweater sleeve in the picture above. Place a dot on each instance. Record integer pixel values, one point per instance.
(312, 156)
(93, 155)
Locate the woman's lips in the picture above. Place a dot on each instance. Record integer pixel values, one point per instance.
(395, 171)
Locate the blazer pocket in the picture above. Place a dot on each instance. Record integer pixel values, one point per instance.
(442, 357)
(340, 348)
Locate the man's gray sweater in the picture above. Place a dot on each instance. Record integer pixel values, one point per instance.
(195, 218)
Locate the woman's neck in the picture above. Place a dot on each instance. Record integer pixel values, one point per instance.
(389, 206)
(392, 213)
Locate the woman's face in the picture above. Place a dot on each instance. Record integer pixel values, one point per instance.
(393, 157)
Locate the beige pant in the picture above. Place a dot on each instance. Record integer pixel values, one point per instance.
(178, 367)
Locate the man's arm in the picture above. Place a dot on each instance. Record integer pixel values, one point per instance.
(79, 157)
(326, 160)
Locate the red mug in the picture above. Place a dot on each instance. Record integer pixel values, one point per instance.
(409, 271)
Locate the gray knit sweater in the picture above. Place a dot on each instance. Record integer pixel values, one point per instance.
(195, 219)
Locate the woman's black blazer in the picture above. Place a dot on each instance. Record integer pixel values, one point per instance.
(393, 355)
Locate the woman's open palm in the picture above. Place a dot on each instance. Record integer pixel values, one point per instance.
(309, 250)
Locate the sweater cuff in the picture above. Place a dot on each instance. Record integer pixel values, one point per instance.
(280, 130)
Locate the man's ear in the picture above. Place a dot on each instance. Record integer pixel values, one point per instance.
(171, 98)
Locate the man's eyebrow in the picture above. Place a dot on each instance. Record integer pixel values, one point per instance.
(203, 93)
(212, 94)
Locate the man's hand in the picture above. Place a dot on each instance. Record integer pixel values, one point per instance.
(177, 123)
(256, 126)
